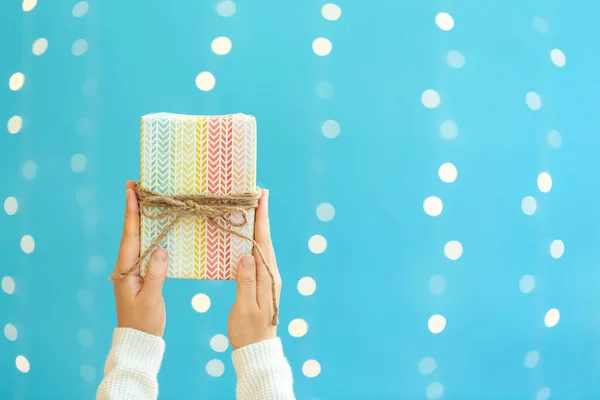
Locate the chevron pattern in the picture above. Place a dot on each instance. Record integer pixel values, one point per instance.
(183, 154)
(200, 179)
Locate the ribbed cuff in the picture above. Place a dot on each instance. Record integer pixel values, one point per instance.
(138, 349)
(258, 356)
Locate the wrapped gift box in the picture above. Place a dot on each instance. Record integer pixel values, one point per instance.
(185, 154)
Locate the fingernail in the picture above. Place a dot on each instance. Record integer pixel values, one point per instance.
(161, 254)
(266, 192)
(248, 262)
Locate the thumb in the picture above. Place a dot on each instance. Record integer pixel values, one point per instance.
(246, 281)
(156, 273)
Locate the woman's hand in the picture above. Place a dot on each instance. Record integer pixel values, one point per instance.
(251, 315)
(140, 304)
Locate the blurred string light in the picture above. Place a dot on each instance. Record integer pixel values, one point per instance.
(80, 9)
(322, 46)
(226, 8)
(29, 5)
(558, 57)
(311, 368)
(215, 368)
(79, 47)
(14, 125)
(430, 98)
(544, 182)
(330, 129)
(448, 172)
(533, 101)
(298, 327)
(39, 47)
(16, 81)
(433, 206)
(11, 205)
(455, 59)
(219, 343)
(221, 45)
(444, 21)
(331, 12)
(306, 286)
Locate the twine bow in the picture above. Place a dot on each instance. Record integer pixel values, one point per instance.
(213, 208)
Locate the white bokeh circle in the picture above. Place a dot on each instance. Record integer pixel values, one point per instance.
(215, 368)
(78, 163)
(226, 8)
(455, 59)
(434, 391)
(557, 248)
(22, 364)
(317, 244)
(298, 327)
(322, 46)
(330, 129)
(437, 284)
(325, 212)
(16, 81)
(79, 47)
(427, 365)
(528, 205)
(526, 284)
(453, 250)
(27, 244)
(436, 323)
(219, 343)
(311, 368)
(331, 12)
(307, 286)
(558, 57)
(221, 45)
(10, 332)
(11, 205)
(447, 172)
(433, 206)
(554, 139)
(80, 9)
(532, 359)
(430, 98)
(552, 317)
(8, 285)
(201, 303)
(14, 125)
(448, 130)
(205, 81)
(39, 47)
(533, 101)
(544, 182)
(444, 21)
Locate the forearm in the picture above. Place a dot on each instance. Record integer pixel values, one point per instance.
(263, 372)
(132, 366)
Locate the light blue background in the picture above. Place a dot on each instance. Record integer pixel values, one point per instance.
(368, 317)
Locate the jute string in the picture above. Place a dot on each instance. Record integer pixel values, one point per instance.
(213, 208)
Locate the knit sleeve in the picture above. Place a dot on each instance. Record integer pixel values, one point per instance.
(132, 366)
(263, 372)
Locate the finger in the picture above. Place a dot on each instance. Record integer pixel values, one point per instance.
(262, 228)
(246, 281)
(156, 274)
(129, 250)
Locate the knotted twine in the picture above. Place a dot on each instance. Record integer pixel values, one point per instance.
(213, 208)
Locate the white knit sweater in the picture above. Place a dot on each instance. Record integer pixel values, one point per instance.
(135, 357)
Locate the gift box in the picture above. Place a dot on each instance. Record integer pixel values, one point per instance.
(185, 154)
